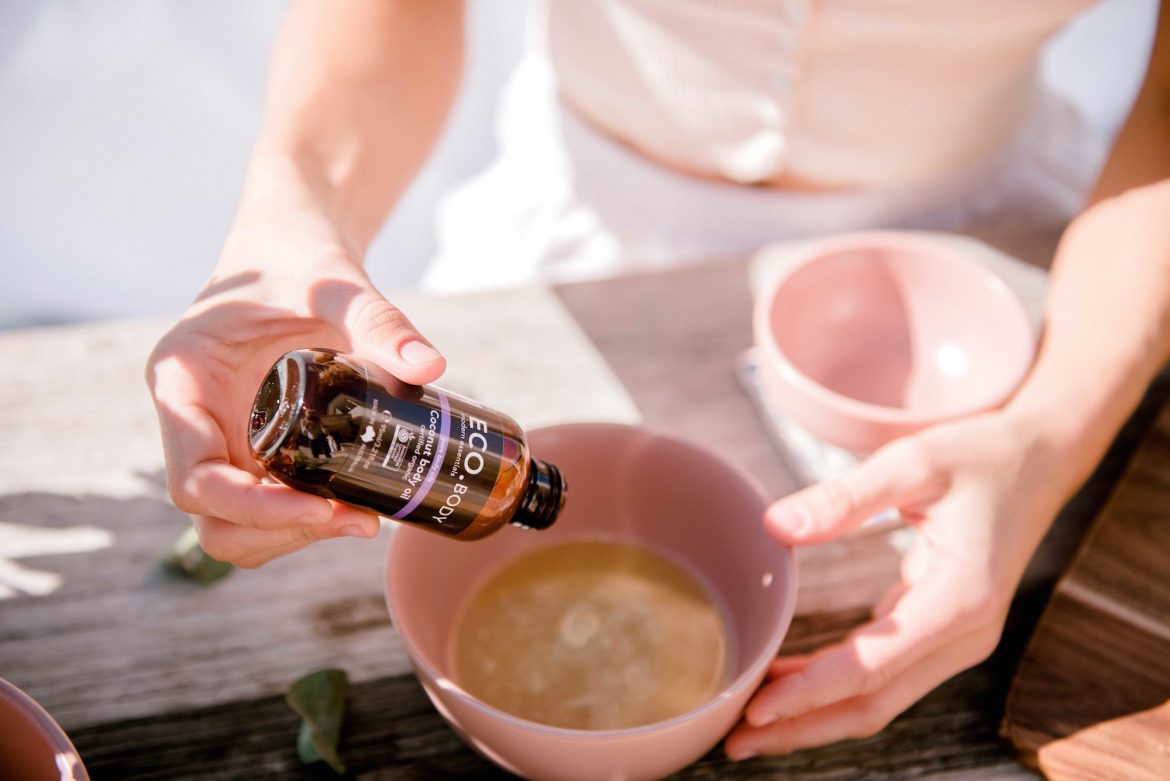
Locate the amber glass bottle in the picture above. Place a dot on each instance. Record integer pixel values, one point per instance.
(344, 429)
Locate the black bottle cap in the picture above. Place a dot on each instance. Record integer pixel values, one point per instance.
(544, 499)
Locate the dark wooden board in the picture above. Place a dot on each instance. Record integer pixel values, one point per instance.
(1091, 699)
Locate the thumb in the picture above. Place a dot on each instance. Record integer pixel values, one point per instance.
(897, 475)
(379, 331)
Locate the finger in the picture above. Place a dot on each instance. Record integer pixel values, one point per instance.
(899, 474)
(785, 665)
(857, 717)
(249, 547)
(379, 330)
(217, 488)
(863, 663)
(351, 522)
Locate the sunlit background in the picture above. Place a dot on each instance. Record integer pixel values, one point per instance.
(125, 126)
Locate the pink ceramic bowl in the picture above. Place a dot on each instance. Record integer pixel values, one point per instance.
(32, 746)
(625, 483)
(867, 337)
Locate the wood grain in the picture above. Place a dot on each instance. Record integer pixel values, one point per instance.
(1092, 697)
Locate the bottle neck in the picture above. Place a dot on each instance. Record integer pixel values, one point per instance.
(544, 498)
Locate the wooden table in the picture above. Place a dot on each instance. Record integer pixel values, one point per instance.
(155, 677)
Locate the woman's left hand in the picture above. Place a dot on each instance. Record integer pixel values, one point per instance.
(980, 493)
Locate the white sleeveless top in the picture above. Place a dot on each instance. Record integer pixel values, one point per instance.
(839, 93)
(629, 130)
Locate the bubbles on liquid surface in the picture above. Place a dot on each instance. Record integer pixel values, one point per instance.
(591, 635)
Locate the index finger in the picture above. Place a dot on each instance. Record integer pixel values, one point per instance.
(900, 475)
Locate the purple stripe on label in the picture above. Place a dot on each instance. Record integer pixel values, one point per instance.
(436, 464)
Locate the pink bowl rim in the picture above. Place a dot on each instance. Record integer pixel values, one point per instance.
(45, 723)
(787, 612)
(887, 240)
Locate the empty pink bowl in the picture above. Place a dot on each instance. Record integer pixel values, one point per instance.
(32, 746)
(626, 483)
(867, 337)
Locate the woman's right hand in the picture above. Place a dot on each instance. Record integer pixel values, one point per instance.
(287, 278)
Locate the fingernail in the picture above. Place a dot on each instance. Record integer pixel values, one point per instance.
(415, 352)
(354, 530)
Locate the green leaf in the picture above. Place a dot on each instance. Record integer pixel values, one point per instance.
(188, 558)
(319, 699)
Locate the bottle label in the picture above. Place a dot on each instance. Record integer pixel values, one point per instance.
(417, 454)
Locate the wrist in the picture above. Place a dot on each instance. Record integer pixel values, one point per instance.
(284, 236)
(282, 184)
(1066, 431)
(279, 176)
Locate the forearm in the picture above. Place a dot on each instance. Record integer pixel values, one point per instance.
(1107, 330)
(1108, 322)
(358, 92)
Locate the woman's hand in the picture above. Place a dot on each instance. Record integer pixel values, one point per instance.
(286, 279)
(979, 493)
